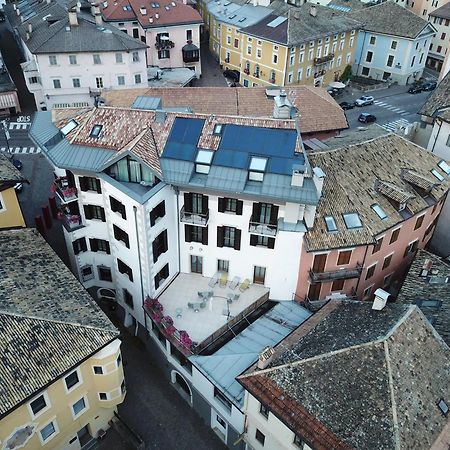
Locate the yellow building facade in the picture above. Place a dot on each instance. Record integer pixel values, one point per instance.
(230, 47)
(10, 212)
(317, 62)
(59, 417)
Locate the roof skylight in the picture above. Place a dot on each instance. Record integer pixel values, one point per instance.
(258, 163)
(352, 220)
(330, 223)
(379, 211)
(444, 166)
(217, 128)
(95, 132)
(203, 161)
(437, 174)
(71, 125)
(442, 405)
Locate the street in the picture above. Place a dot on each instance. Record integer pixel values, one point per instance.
(391, 106)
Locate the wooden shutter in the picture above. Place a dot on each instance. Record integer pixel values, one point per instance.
(204, 204)
(274, 215)
(102, 214)
(188, 202)
(237, 239)
(87, 211)
(99, 187)
(123, 211)
(162, 209)
(253, 240)
(165, 243)
(108, 250)
(239, 206)
(220, 234)
(94, 245)
(76, 247)
(155, 248)
(188, 233)
(83, 244)
(271, 243)
(256, 213)
(205, 236)
(83, 184)
(221, 207)
(152, 217)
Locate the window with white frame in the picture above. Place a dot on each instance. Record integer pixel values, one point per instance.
(96, 58)
(40, 404)
(72, 380)
(301, 57)
(137, 79)
(99, 82)
(121, 80)
(76, 82)
(48, 432)
(299, 74)
(73, 60)
(52, 60)
(57, 84)
(119, 58)
(79, 407)
(136, 57)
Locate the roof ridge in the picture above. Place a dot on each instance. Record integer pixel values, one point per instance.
(61, 322)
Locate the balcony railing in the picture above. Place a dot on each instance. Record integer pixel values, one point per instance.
(65, 192)
(179, 338)
(323, 60)
(164, 45)
(339, 274)
(264, 229)
(194, 218)
(191, 56)
(71, 222)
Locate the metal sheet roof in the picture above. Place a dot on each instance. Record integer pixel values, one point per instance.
(144, 102)
(183, 139)
(237, 355)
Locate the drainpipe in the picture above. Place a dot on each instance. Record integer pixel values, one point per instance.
(140, 270)
(177, 192)
(363, 265)
(437, 135)
(361, 53)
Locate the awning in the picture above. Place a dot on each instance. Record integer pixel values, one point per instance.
(8, 100)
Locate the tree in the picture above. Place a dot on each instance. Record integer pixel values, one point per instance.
(346, 74)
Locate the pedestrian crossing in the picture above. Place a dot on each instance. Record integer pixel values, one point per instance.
(19, 125)
(393, 108)
(21, 150)
(395, 125)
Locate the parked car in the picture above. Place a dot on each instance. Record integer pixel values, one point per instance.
(365, 100)
(232, 74)
(416, 89)
(429, 86)
(347, 105)
(366, 118)
(17, 163)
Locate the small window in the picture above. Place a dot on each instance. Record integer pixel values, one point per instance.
(95, 132)
(352, 220)
(379, 211)
(256, 168)
(123, 268)
(71, 380)
(76, 82)
(98, 370)
(298, 441)
(377, 246)
(87, 273)
(97, 59)
(52, 59)
(367, 292)
(437, 174)
(38, 404)
(344, 257)
(370, 272)
(121, 80)
(337, 285)
(48, 431)
(137, 79)
(419, 222)
(119, 58)
(223, 265)
(394, 235)
(121, 235)
(443, 406)
(79, 406)
(57, 84)
(387, 262)
(330, 223)
(218, 129)
(264, 410)
(444, 166)
(394, 45)
(260, 437)
(203, 161)
(372, 40)
(128, 299)
(73, 59)
(71, 125)
(103, 396)
(136, 57)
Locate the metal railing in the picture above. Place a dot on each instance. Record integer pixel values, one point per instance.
(265, 229)
(194, 218)
(338, 274)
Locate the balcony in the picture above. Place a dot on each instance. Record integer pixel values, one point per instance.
(263, 229)
(164, 44)
(323, 60)
(338, 274)
(194, 218)
(71, 222)
(63, 190)
(191, 53)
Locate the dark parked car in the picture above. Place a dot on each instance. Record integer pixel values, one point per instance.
(429, 86)
(415, 89)
(231, 74)
(347, 105)
(367, 118)
(17, 163)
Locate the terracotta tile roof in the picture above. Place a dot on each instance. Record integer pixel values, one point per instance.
(425, 284)
(351, 373)
(318, 110)
(165, 14)
(48, 322)
(9, 175)
(349, 186)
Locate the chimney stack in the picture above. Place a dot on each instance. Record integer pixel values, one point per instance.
(381, 298)
(98, 20)
(18, 11)
(281, 106)
(313, 11)
(78, 6)
(318, 178)
(143, 10)
(73, 17)
(27, 36)
(265, 357)
(30, 28)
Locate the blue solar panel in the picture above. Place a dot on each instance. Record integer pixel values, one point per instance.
(183, 139)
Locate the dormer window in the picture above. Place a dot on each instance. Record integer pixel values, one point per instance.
(352, 220)
(203, 161)
(442, 405)
(66, 129)
(257, 168)
(95, 132)
(444, 166)
(437, 174)
(218, 129)
(379, 211)
(330, 223)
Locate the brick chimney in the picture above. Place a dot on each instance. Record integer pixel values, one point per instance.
(73, 17)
